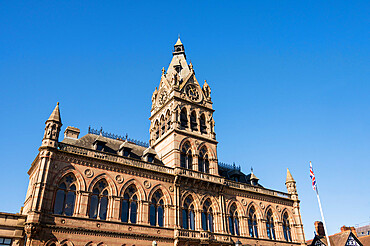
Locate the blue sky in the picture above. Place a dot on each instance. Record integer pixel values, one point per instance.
(289, 79)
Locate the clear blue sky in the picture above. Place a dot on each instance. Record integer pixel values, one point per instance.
(289, 79)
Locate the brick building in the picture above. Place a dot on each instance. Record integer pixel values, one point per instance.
(104, 189)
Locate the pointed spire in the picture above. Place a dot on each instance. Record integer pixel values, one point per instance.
(289, 177)
(253, 177)
(55, 115)
(178, 41)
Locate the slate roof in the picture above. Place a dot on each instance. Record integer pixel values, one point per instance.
(111, 145)
(235, 175)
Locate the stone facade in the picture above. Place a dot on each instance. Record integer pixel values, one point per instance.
(107, 190)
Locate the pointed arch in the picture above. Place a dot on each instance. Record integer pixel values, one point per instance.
(211, 153)
(188, 213)
(233, 219)
(183, 118)
(139, 187)
(257, 208)
(66, 242)
(166, 194)
(111, 184)
(214, 202)
(252, 217)
(238, 204)
(98, 200)
(270, 226)
(168, 120)
(65, 195)
(186, 155)
(162, 125)
(275, 213)
(193, 121)
(81, 183)
(287, 222)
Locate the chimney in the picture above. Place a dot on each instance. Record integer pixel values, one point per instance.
(348, 228)
(71, 132)
(319, 227)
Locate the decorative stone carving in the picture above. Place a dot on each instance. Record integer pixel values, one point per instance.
(278, 208)
(119, 179)
(171, 188)
(89, 173)
(262, 205)
(147, 184)
(244, 202)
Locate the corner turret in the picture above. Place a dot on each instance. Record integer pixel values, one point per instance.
(52, 129)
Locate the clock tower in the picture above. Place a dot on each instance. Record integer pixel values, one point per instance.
(182, 125)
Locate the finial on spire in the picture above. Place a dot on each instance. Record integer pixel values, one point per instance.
(163, 71)
(178, 41)
(289, 177)
(55, 115)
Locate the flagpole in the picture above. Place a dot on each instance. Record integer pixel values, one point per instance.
(314, 184)
(322, 216)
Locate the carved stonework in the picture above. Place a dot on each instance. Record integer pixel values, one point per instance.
(89, 173)
(119, 179)
(147, 184)
(32, 230)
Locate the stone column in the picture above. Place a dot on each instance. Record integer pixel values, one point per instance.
(115, 203)
(195, 166)
(198, 220)
(143, 213)
(262, 228)
(83, 204)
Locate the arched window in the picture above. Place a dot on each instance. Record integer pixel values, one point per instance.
(129, 205)
(186, 156)
(193, 121)
(163, 126)
(156, 129)
(203, 126)
(156, 210)
(99, 201)
(168, 119)
(203, 162)
(270, 225)
(286, 228)
(207, 216)
(233, 221)
(65, 196)
(183, 118)
(252, 223)
(188, 218)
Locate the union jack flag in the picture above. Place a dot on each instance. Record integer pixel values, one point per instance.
(312, 175)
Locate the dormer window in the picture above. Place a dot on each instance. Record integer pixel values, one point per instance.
(150, 158)
(99, 144)
(126, 152)
(126, 148)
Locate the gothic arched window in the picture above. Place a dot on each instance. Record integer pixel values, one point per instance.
(186, 157)
(193, 121)
(203, 162)
(183, 118)
(233, 221)
(156, 129)
(65, 196)
(99, 201)
(168, 119)
(163, 126)
(156, 209)
(270, 225)
(188, 217)
(207, 216)
(252, 223)
(129, 205)
(286, 228)
(203, 126)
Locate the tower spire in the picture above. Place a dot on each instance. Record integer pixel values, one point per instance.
(178, 48)
(52, 129)
(289, 177)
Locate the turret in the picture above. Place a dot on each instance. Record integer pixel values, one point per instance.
(52, 129)
(290, 184)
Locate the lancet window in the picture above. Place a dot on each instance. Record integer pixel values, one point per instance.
(233, 221)
(252, 223)
(183, 118)
(188, 216)
(270, 225)
(99, 201)
(163, 126)
(203, 162)
(286, 228)
(168, 119)
(65, 196)
(203, 126)
(129, 205)
(156, 129)
(207, 216)
(193, 121)
(186, 157)
(156, 209)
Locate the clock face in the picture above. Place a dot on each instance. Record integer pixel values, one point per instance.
(162, 98)
(192, 92)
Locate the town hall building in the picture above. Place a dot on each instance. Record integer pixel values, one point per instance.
(104, 189)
